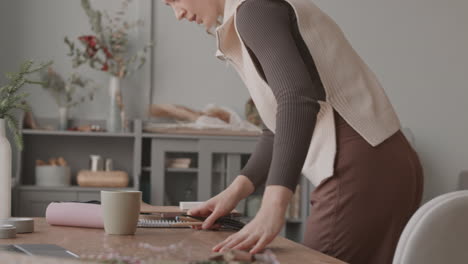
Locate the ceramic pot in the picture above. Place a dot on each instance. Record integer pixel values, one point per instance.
(5, 173)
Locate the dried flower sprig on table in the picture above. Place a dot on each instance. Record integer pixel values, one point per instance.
(107, 50)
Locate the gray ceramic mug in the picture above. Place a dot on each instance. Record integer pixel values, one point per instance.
(120, 210)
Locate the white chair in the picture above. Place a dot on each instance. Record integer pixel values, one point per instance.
(437, 233)
(463, 180)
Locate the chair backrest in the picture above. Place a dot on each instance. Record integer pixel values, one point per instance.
(437, 233)
(463, 180)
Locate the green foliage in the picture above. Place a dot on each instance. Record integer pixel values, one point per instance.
(11, 98)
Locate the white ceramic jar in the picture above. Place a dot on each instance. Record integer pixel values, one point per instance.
(5, 173)
(53, 176)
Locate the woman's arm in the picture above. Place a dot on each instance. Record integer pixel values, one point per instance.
(256, 169)
(266, 28)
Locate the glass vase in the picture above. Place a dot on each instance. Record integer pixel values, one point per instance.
(114, 119)
(63, 118)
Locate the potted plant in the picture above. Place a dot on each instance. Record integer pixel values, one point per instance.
(107, 50)
(64, 92)
(11, 99)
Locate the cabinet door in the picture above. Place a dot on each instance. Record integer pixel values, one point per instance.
(34, 203)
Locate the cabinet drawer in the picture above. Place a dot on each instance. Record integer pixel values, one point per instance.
(34, 203)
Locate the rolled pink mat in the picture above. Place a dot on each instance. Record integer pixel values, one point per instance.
(75, 214)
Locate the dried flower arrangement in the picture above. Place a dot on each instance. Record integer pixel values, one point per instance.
(63, 91)
(107, 49)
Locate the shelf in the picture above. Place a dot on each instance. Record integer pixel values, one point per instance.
(182, 170)
(186, 170)
(70, 188)
(74, 133)
(194, 136)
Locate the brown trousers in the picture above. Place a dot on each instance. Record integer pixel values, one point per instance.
(358, 214)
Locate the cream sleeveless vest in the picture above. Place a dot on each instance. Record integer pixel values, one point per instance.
(351, 87)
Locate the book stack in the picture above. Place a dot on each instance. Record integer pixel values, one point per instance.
(294, 207)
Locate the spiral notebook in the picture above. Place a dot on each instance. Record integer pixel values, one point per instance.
(160, 223)
(181, 221)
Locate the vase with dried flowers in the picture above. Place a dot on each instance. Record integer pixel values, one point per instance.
(107, 50)
(64, 92)
(10, 100)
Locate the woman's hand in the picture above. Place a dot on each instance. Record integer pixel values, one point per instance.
(264, 227)
(223, 203)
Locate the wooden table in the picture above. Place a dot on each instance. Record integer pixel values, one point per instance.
(149, 244)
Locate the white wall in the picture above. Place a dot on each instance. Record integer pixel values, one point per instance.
(41, 27)
(8, 54)
(185, 68)
(8, 29)
(418, 49)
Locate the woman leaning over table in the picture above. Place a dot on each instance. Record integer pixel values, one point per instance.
(326, 116)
